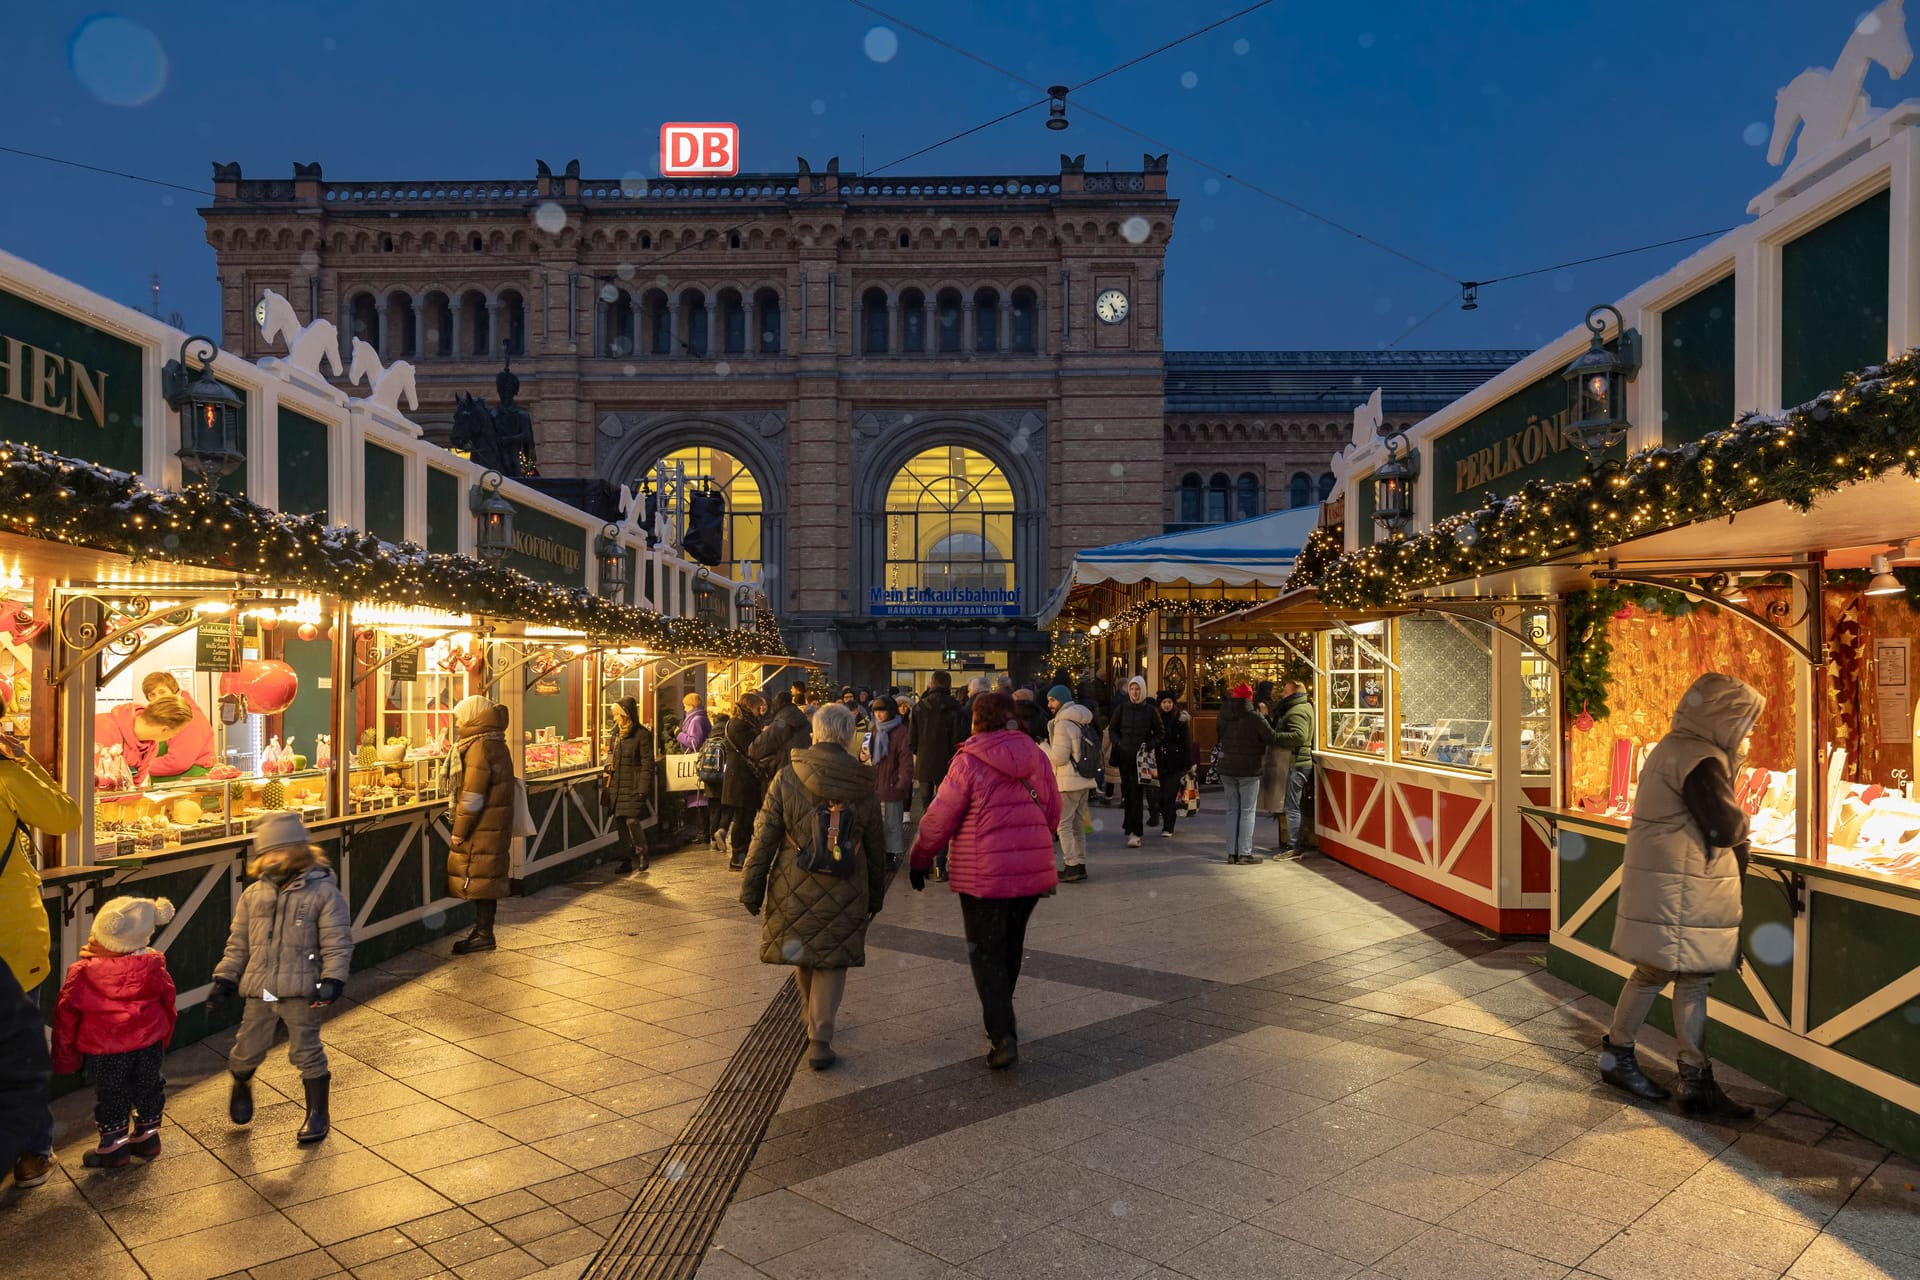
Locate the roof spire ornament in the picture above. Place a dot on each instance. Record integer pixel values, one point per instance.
(1825, 103)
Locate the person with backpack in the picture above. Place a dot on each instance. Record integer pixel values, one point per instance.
(1243, 736)
(711, 766)
(935, 732)
(743, 788)
(1073, 747)
(1135, 724)
(816, 872)
(1173, 756)
(893, 768)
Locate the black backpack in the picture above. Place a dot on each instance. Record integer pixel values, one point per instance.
(712, 764)
(833, 844)
(1086, 754)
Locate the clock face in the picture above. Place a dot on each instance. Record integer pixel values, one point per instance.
(260, 312)
(1111, 306)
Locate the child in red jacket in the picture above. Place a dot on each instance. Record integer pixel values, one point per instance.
(116, 1009)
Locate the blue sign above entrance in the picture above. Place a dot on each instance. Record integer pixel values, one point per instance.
(947, 602)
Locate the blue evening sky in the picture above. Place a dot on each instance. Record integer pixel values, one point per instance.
(1482, 136)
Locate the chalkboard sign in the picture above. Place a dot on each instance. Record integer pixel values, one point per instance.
(405, 666)
(216, 646)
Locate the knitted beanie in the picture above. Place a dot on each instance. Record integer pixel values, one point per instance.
(125, 925)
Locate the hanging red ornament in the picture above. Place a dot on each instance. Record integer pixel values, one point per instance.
(269, 622)
(1624, 612)
(267, 685)
(307, 631)
(1584, 722)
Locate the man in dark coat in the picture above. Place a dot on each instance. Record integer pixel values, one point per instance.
(784, 733)
(25, 1071)
(742, 788)
(1033, 716)
(1293, 729)
(1135, 724)
(935, 732)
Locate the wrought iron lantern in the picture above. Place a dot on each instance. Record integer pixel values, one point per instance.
(1393, 486)
(613, 564)
(213, 427)
(745, 609)
(1057, 107)
(1597, 385)
(493, 528)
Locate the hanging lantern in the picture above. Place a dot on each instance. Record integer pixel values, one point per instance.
(613, 564)
(1393, 486)
(1597, 386)
(744, 612)
(1057, 107)
(493, 531)
(213, 429)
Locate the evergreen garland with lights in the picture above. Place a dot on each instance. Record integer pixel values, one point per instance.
(1070, 652)
(1176, 606)
(1587, 673)
(61, 499)
(1864, 429)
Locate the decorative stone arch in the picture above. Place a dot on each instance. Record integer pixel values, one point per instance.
(1015, 440)
(625, 443)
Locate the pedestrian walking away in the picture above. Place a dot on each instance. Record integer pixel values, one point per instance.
(1244, 738)
(1680, 899)
(480, 850)
(1073, 748)
(1033, 717)
(1135, 724)
(628, 779)
(1173, 754)
(817, 872)
(288, 952)
(26, 1122)
(935, 732)
(997, 810)
(892, 762)
(1293, 734)
(744, 786)
(115, 1015)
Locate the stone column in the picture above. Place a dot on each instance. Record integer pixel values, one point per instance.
(667, 314)
(893, 326)
(1039, 325)
(419, 326)
(966, 326)
(456, 312)
(495, 336)
(930, 327)
(602, 326)
(380, 328)
(716, 340)
(1003, 315)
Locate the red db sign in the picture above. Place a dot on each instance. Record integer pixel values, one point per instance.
(699, 150)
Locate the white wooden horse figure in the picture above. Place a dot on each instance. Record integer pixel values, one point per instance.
(1366, 420)
(307, 345)
(387, 382)
(1826, 103)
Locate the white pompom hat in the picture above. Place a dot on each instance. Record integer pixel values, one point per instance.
(126, 925)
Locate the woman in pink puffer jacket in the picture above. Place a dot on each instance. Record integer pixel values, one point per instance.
(995, 813)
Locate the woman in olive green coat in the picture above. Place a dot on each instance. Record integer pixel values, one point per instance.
(817, 921)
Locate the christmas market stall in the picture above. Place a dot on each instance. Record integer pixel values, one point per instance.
(229, 589)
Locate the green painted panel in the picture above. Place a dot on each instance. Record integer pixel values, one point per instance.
(311, 712)
(1587, 858)
(548, 549)
(237, 482)
(1833, 300)
(1696, 364)
(406, 890)
(1766, 913)
(443, 512)
(371, 850)
(1854, 949)
(1522, 438)
(304, 464)
(386, 493)
(202, 940)
(1890, 1042)
(69, 387)
(541, 802)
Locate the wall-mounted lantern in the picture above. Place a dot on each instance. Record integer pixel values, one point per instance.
(613, 564)
(1597, 386)
(1393, 486)
(493, 529)
(213, 428)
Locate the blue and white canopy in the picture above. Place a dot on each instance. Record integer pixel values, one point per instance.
(1260, 550)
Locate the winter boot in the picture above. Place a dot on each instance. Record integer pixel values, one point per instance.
(240, 1101)
(1620, 1068)
(1006, 1052)
(820, 1055)
(318, 1123)
(112, 1152)
(145, 1139)
(1700, 1095)
(481, 936)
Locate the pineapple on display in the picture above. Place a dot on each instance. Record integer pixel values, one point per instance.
(369, 753)
(274, 795)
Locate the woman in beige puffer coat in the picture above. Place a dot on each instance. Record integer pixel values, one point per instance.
(1680, 884)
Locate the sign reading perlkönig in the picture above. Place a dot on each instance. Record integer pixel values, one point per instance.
(1522, 438)
(66, 386)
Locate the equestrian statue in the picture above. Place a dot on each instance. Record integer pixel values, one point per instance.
(501, 438)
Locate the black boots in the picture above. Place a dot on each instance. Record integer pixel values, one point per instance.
(144, 1141)
(481, 937)
(1621, 1069)
(1701, 1096)
(318, 1123)
(1006, 1052)
(240, 1101)
(112, 1153)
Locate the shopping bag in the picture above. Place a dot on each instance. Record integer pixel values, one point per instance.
(1190, 793)
(1146, 766)
(522, 811)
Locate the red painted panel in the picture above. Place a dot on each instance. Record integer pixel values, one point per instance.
(1372, 829)
(1418, 801)
(1475, 864)
(1536, 861)
(1456, 815)
(1330, 801)
(1511, 922)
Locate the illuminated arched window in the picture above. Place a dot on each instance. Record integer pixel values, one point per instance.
(740, 552)
(949, 523)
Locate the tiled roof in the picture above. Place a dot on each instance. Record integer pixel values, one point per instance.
(1415, 383)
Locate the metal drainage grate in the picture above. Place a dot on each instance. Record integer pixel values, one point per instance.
(666, 1230)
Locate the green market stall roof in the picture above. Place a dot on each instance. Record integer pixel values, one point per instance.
(47, 496)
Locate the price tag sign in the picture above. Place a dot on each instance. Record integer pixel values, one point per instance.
(405, 666)
(216, 646)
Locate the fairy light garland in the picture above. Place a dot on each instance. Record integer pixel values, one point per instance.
(60, 499)
(1866, 428)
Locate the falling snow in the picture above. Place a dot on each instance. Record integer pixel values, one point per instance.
(1189, 79)
(881, 44)
(1136, 229)
(118, 61)
(550, 217)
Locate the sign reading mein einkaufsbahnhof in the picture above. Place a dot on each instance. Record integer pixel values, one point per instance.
(943, 602)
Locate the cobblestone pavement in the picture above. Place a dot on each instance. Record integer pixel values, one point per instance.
(1227, 1072)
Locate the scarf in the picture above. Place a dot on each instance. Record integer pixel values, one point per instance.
(878, 749)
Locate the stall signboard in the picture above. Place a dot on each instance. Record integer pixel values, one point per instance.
(66, 386)
(683, 773)
(548, 549)
(1522, 438)
(216, 645)
(405, 665)
(943, 602)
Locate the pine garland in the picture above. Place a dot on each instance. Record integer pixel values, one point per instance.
(1587, 673)
(1866, 428)
(61, 499)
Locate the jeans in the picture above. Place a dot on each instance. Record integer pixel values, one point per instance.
(1298, 779)
(1072, 831)
(892, 815)
(1170, 789)
(820, 992)
(255, 1037)
(996, 937)
(1240, 796)
(1689, 1010)
(127, 1084)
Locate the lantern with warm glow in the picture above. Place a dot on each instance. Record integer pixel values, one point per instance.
(493, 531)
(213, 428)
(1597, 386)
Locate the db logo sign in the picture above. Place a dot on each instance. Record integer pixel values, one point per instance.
(699, 150)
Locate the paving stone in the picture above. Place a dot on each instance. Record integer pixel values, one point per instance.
(1547, 1231)
(229, 1246)
(1057, 1253)
(369, 1208)
(1147, 1224)
(1341, 1225)
(1650, 1255)
(1247, 1250)
(468, 1247)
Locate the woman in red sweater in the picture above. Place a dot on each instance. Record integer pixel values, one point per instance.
(995, 814)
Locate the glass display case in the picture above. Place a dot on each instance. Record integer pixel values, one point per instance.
(184, 811)
(1536, 713)
(557, 728)
(1356, 681)
(1445, 692)
(410, 679)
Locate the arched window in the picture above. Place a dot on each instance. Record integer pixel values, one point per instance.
(949, 320)
(1246, 496)
(1190, 498)
(439, 325)
(693, 322)
(1022, 321)
(1300, 491)
(513, 322)
(733, 241)
(1218, 493)
(906, 241)
(913, 320)
(475, 337)
(740, 548)
(766, 316)
(656, 323)
(474, 243)
(1326, 484)
(986, 321)
(873, 307)
(949, 523)
(646, 239)
(365, 319)
(733, 322)
(400, 344)
(622, 317)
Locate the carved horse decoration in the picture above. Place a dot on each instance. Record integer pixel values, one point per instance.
(388, 382)
(1367, 418)
(307, 345)
(1827, 104)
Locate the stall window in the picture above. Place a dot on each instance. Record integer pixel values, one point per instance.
(1356, 683)
(403, 715)
(557, 731)
(1446, 692)
(18, 626)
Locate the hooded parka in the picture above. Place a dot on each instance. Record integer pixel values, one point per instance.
(1679, 905)
(815, 919)
(995, 814)
(1243, 736)
(30, 799)
(1064, 743)
(480, 860)
(740, 787)
(630, 773)
(112, 1003)
(287, 939)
